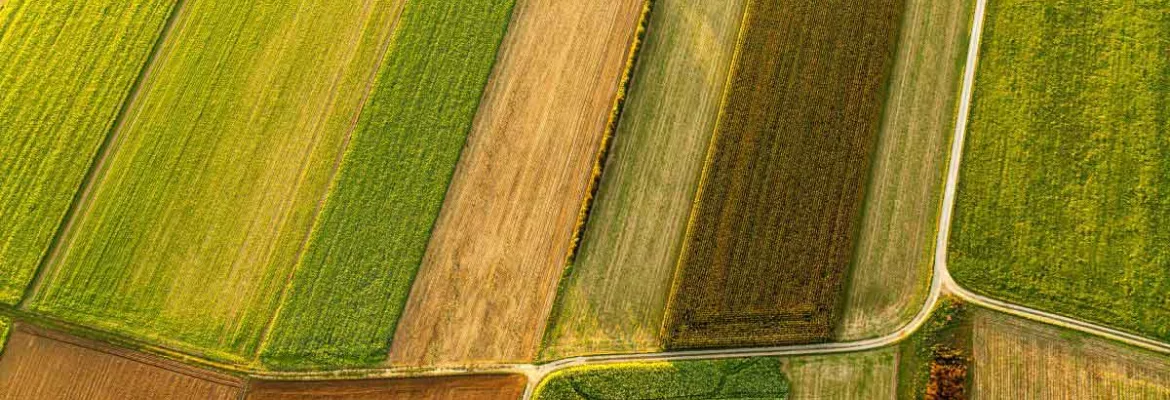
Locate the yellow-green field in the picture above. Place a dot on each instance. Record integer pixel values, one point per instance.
(614, 296)
(208, 190)
(67, 67)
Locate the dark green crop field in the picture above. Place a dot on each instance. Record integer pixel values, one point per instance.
(772, 234)
(757, 378)
(351, 285)
(65, 68)
(1064, 194)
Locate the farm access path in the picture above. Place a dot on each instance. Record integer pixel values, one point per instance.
(941, 283)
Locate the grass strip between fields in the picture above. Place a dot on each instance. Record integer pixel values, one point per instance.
(752, 378)
(350, 287)
(68, 66)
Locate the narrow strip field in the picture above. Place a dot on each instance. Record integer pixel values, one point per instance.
(856, 376)
(1020, 359)
(615, 295)
(1064, 196)
(40, 364)
(464, 387)
(890, 278)
(491, 269)
(351, 285)
(756, 378)
(772, 233)
(210, 187)
(68, 66)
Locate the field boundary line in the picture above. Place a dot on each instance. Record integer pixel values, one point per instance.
(109, 145)
(339, 159)
(593, 187)
(732, 69)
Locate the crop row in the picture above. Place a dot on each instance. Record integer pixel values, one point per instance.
(773, 229)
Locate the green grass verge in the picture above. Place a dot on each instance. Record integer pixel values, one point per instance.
(4, 327)
(1064, 194)
(208, 192)
(757, 378)
(349, 289)
(67, 67)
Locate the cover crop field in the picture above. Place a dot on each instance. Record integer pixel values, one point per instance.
(209, 187)
(465, 387)
(351, 286)
(772, 233)
(491, 269)
(62, 82)
(855, 376)
(1064, 193)
(38, 363)
(756, 378)
(891, 272)
(614, 295)
(1020, 359)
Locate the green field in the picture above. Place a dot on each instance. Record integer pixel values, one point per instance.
(854, 376)
(772, 233)
(614, 297)
(3, 334)
(65, 77)
(351, 285)
(891, 272)
(209, 189)
(757, 378)
(1064, 193)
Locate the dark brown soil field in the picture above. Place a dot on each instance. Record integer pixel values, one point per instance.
(479, 387)
(773, 230)
(39, 364)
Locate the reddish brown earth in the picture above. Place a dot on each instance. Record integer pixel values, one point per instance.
(40, 364)
(476, 387)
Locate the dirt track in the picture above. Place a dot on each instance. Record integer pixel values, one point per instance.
(498, 249)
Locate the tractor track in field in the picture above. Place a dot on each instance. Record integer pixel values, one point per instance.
(941, 284)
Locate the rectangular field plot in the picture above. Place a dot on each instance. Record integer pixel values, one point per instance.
(892, 265)
(772, 232)
(466, 387)
(1064, 193)
(209, 187)
(67, 68)
(755, 378)
(491, 268)
(614, 298)
(856, 376)
(352, 283)
(39, 364)
(1021, 359)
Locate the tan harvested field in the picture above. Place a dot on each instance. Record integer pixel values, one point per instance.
(1021, 359)
(500, 245)
(615, 296)
(892, 265)
(468, 387)
(855, 376)
(39, 364)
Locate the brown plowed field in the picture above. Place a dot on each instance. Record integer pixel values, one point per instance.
(772, 233)
(468, 387)
(499, 247)
(39, 364)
